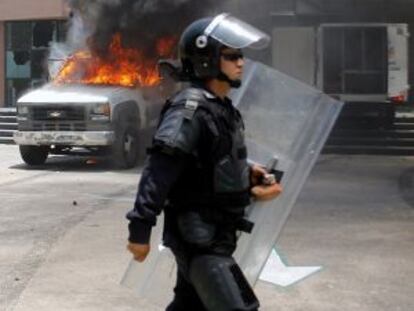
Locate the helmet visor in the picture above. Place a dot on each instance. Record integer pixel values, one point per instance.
(236, 34)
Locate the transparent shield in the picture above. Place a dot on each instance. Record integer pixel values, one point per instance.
(154, 279)
(290, 121)
(235, 33)
(285, 119)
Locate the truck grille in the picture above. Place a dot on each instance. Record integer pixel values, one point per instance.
(54, 126)
(58, 113)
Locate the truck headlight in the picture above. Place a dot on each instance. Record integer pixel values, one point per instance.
(22, 110)
(100, 112)
(22, 113)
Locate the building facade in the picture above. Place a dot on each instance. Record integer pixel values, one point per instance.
(26, 29)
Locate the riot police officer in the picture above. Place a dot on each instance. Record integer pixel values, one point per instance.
(197, 171)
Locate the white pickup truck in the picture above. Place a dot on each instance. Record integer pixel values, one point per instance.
(99, 119)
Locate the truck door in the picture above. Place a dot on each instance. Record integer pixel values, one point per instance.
(354, 61)
(398, 62)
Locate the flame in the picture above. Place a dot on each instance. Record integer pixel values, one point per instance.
(165, 46)
(123, 66)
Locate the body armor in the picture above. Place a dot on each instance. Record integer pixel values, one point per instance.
(207, 202)
(210, 134)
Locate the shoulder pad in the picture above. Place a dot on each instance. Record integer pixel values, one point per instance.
(192, 93)
(178, 129)
(191, 98)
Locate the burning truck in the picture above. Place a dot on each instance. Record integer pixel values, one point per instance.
(100, 104)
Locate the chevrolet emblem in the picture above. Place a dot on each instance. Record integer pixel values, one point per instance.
(55, 114)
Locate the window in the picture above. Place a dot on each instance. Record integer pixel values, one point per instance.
(27, 48)
(355, 60)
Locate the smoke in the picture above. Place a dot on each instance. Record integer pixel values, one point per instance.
(140, 22)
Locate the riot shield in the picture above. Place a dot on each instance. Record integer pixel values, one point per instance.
(286, 122)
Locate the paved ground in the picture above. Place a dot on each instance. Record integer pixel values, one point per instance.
(62, 236)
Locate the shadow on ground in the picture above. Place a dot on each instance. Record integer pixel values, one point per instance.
(76, 164)
(406, 186)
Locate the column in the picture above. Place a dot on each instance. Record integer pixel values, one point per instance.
(2, 64)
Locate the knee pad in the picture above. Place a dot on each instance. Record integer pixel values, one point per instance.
(221, 285)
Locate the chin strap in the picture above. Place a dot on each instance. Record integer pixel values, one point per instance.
(233, 83)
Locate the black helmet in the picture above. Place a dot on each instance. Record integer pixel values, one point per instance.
(202, 41)
(199, 53)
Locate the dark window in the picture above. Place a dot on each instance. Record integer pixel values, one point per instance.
(39, 64)
(354, 52)
(43, 34)
(19, 36)
(332, 58)
(364, 83)
(27, 49)
(355, 60)
(16, 88)
(376, 49)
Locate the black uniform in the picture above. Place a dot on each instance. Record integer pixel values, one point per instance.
(197, 172)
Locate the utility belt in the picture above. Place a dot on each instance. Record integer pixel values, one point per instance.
(233, 217)
(190, 198)
(245, 225)
(203, 228)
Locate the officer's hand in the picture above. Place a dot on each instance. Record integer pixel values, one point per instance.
(257, 174)
(266, 192)
(139, 251)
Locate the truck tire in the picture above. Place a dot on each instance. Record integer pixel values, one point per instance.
(34, 155)
(125, 148)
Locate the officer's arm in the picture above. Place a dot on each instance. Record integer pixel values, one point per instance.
(160, 173)
(175, 140)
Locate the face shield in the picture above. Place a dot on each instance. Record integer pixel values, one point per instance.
(235, 33)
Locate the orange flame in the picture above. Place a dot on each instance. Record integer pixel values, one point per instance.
(123, 66)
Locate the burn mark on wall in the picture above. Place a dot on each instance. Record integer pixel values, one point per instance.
(43, 33)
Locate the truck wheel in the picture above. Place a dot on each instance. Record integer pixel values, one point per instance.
(125, 147)
(34, 155)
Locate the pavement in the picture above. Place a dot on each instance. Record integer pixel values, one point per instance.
(354, 217)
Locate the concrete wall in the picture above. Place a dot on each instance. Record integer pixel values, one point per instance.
(31, 9)
(2, 65)
(294, 52)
